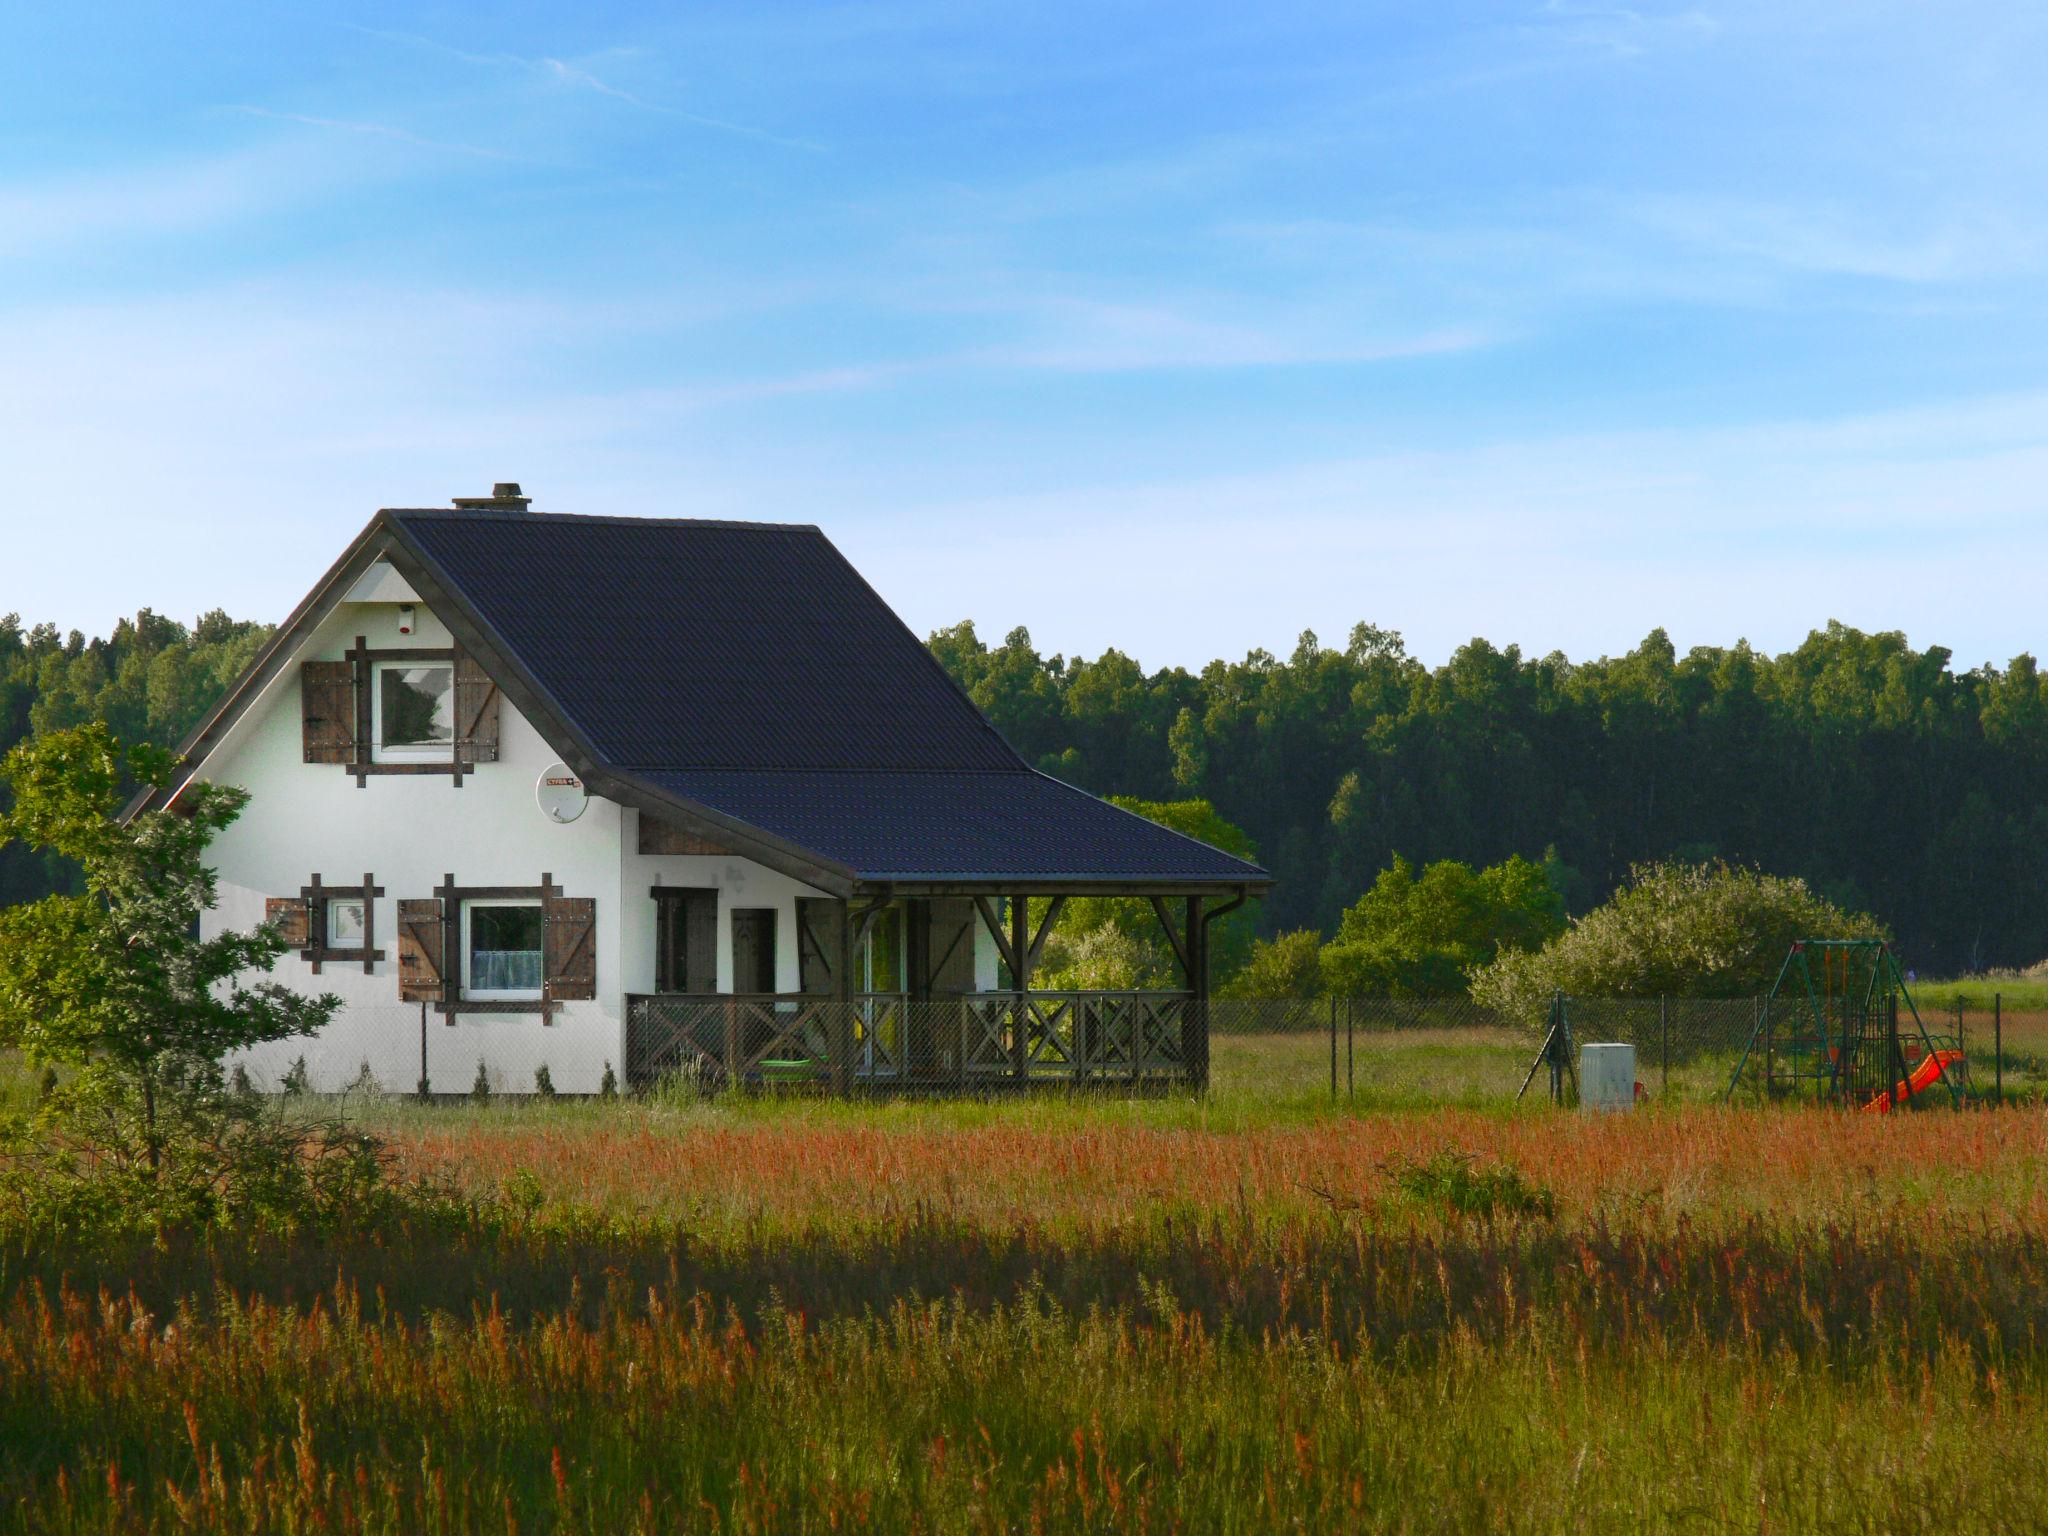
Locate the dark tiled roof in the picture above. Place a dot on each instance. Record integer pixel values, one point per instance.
(749, 668)
(965, 826)
(709, 645)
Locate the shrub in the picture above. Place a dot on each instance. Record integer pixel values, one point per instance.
(1423, 935)
(543, 1082)
(1449, 1182)
(1288, 965)
(1693, 930)
(297, 1083)
(480, 1090)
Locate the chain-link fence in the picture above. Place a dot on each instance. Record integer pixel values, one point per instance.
(1364, 1052)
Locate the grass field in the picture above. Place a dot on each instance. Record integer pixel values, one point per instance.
(1076, 1315)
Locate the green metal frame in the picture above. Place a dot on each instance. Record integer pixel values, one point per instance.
(1840, 1046)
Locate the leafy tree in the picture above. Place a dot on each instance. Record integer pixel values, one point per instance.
(1423, 935)
(116, 984)
(1705, 930)
(1288, 965)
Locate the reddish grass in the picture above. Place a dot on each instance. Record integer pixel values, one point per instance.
(1697, 1164)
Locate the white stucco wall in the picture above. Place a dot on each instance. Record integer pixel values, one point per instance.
(411, 831)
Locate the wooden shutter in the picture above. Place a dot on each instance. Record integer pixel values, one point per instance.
(700, 929)
(422, 952)
(327, 711)
(688, 958)
(569, 948)
(476, 711)
(287, 914)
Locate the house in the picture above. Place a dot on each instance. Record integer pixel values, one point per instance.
(665, 796)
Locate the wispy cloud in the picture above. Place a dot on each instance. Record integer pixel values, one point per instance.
(579, 75)
(46, 216)
(1934, 245)
(379, 131)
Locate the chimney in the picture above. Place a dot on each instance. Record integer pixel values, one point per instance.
(504, 497)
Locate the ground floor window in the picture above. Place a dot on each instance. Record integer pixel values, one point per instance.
(502, 950)
(347, 922)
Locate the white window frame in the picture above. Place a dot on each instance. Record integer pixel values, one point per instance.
(501, 994)
(354, 941)
(408, 752)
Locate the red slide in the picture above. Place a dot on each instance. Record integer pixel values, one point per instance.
(1923, 1077)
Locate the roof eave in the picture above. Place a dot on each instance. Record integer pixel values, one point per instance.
(1058, 885)
(363, 552)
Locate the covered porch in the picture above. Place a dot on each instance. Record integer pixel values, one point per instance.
(890, 1000)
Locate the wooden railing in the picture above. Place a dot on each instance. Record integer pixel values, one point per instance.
(968, 1042)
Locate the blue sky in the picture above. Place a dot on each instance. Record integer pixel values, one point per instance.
(1178, 328)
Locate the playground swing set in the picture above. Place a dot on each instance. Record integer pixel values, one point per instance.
(1840, 1027)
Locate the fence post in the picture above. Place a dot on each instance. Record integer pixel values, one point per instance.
(1333, 1049)
(1761, 1015)
(1664, 1044)
(1998, 1043)
(1960, 1046)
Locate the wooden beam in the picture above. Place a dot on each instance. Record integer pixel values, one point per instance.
(1181, 951)
(841, 1024)
(1052, 915)
(994, 924)
(1020, 976)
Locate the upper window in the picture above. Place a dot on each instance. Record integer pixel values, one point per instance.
(345, 922)
(415, 706)
(501, 949)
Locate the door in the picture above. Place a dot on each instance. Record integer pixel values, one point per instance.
(753, 949)
(685, 940)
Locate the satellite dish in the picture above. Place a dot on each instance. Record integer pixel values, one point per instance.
(561, 794)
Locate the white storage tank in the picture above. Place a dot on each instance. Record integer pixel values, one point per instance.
(1607, 1077)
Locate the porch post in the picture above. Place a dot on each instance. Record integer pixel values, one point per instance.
(1020, 976)
(1195, 1027)
(841, 1028)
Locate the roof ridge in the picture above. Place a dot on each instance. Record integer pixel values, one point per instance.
(1022, 768)
(465, 515)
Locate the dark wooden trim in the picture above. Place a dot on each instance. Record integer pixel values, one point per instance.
(933, 970)
(1180, 948)
(1020, 983)
(408, 652)
(993, 922)
(316, 895)
(663, 966)
(1052, 915)
(995, 885)
(451, 897)
(365, 661)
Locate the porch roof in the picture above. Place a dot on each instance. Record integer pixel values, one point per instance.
(959, 828)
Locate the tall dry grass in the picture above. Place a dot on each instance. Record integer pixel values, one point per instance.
(743, 1320)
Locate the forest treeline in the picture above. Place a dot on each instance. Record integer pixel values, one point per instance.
(1889, 780)
(151, 680)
